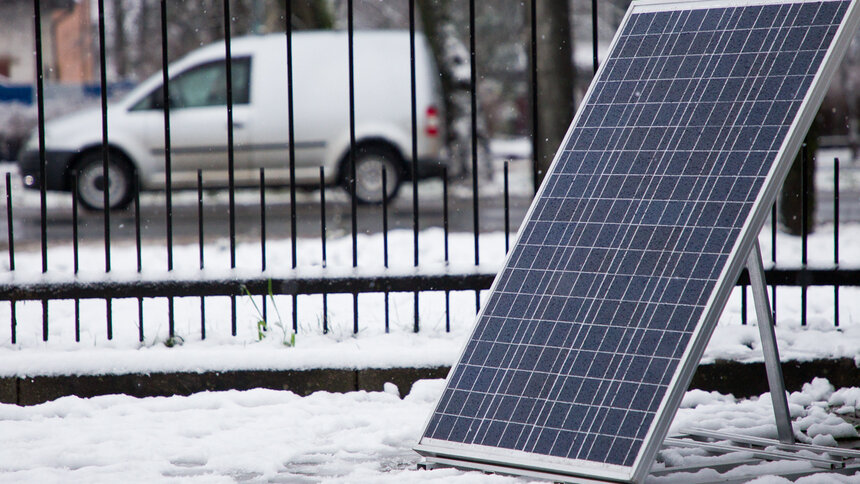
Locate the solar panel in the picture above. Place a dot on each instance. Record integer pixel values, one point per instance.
(594, 326)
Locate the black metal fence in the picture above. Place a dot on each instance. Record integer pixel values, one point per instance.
(250, 275)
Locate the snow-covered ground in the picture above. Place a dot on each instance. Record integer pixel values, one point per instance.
(261, 436)
(371, 347)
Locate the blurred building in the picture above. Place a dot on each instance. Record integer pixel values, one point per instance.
(66, 41)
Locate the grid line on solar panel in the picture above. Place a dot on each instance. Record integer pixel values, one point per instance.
(578, 342)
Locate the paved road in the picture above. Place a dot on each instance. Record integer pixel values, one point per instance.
(27, 226)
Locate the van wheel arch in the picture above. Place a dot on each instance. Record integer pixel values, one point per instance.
(370, 156)
(119, 160)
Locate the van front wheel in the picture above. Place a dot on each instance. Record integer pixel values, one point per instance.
(370, 161)
(90, 181)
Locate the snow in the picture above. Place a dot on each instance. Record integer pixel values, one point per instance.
(251, 436)
(276, 436)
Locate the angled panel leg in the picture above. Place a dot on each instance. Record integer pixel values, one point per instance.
(768, 345)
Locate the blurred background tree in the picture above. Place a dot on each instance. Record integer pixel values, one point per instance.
(800, 178)
(555, 79)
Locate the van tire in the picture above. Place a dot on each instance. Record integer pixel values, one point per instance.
(87, 179)
(369, 163)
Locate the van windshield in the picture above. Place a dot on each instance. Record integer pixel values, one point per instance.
(203, 85)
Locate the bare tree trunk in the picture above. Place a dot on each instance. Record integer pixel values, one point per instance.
(307, 14)
(452, 60)
(800, 179)
(556, 103)
(143, 35)
(120, 45)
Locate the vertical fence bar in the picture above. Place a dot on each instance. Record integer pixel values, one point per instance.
(836, 238)
(773, 224)
(105, 161)
(296, 313)
(200, 216)
(168, 165)
(773, 228)
(40, 110)
(109, 317)
(804, 231)
(105, 151)
(804, 207)
(263, 237)
(446, 225)
(322, 216)
(473, 95)
(415, 307)
(137, 245)
(744, 304)
(233, 314)
(534, 93)
(10, 235)
(76, 253)
(414, 104)
(140, 318)
(171, 320)
(594, 34)
(352, 175)
(265, 310)
(291, 131)
(355, 313)
(40, 96)
(292, 148)
(507, 210)
(13, 321)
(352, 147)
(45, 320)
(385, 240)
(263, 222)
(231, 175)
(137, 234)
(200, 248)
(323, 242)
(75, 230)
(445, 228)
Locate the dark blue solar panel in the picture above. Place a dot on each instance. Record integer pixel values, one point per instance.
(590, 318)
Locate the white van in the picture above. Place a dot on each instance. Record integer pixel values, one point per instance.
(198, 120)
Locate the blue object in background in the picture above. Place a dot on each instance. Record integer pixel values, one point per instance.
(94, 90)
(22, 94)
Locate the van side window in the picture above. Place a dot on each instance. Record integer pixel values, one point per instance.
(203, 85)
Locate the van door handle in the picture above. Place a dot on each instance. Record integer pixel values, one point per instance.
(238, 125)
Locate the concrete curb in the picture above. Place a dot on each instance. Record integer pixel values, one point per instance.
(739, 379)
(750, 379)
(40, 389)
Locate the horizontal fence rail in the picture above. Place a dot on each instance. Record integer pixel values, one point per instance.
(330, 282)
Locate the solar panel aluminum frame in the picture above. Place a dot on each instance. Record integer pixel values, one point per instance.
(537, 465)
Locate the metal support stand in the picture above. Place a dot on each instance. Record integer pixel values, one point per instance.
(742, 453)
(769, 348)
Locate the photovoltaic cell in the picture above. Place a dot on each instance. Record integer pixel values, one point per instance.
(574, 353)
